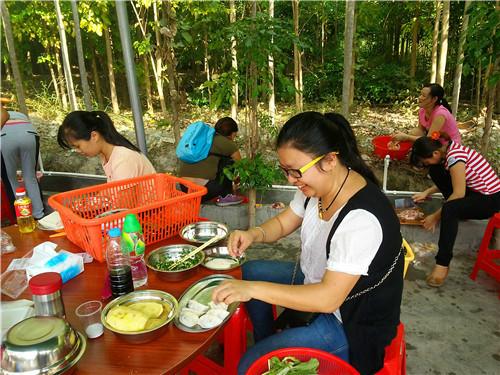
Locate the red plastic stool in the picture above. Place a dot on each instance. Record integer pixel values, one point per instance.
(486, 257)
(395, 355)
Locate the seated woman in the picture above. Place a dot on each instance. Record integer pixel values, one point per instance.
(351, 264)
(93, 134)
(207, 172)
(471, 189)
(434, 115)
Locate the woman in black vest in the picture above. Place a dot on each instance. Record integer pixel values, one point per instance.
(351, 264)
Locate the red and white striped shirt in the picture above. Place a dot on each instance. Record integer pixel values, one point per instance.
(479, 175)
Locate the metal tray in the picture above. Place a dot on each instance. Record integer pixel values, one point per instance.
(202, 231)
(221, 252)
(201, 291)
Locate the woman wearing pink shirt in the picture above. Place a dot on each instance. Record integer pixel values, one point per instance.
(434, 116)
(93, 134)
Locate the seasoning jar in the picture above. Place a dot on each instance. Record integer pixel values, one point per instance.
(46, 291)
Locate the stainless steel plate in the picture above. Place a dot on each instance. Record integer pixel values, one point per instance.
(218, 259)
(201, 291)
(203, 231)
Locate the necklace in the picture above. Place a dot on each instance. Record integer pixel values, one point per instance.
(322, 210)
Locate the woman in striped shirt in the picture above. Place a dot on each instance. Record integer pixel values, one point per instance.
(471, 190)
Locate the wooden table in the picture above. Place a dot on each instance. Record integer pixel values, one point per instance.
(108, 354)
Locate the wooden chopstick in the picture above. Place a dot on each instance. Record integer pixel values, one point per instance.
(195, 251)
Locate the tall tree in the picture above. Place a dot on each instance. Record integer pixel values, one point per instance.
(65, 56)
(111, 73)
(297, 60)
(348, 44)
(414, 42)
(147, 84)
(443, 53)
(60, 80)
(272, 98)
(460, 61)
(97, 82)
(81, 62)
(435, 41)
(159, 62)
(13, 57)
(234, 64)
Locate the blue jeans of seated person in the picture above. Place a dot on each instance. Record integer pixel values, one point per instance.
(324, 333)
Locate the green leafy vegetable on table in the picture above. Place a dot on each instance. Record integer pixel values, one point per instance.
(292, 366)
(164, 264)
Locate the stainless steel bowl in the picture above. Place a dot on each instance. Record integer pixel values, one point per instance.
(202, 231)
(41, 345)
(173, 252)
(221, 252)
(146, 335)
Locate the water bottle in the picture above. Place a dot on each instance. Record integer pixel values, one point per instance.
(24, 211)
(133, 244)
(120, 272)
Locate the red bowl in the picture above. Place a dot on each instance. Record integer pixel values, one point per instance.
(381, 150)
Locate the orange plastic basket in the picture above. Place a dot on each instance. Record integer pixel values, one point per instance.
(162, 209)
(328, 363)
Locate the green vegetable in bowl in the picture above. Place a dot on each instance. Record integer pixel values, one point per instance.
(292, 366)
(164, 264)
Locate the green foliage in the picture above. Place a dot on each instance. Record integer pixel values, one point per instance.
(254, 173)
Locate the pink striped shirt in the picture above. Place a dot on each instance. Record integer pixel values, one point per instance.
(479, 175)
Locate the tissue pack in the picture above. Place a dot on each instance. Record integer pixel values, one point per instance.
(67, 264)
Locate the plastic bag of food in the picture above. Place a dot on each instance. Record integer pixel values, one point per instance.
(6, 243)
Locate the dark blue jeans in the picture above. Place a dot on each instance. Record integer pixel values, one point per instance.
(325, 332)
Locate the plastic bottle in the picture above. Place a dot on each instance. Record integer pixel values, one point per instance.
(24, 211)
(120, 272)
(133, 244)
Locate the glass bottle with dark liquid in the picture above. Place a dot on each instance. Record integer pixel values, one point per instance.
(120, 272)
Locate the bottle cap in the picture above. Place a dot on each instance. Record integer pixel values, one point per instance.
(20, 190)
(45, 283)
(131, 224)
(114, 232)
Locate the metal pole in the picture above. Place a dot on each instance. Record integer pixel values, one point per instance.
(128, 57)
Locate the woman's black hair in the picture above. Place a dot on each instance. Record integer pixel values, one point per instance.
(226, 126)
(80, 124)
(437, 90)
(317, 134)
(424, 147)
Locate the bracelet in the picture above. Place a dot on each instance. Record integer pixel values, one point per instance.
(263, 232)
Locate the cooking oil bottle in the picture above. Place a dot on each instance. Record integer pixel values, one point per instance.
(24, 211)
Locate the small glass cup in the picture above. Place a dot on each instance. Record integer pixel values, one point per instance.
(89, 314)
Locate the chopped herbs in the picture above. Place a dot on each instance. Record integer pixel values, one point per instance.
(292, 366)
(163, 264)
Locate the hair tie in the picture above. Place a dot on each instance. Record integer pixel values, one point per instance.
(435, 135)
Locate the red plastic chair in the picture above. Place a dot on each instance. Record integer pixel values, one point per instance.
(486, 258)
(328, 363)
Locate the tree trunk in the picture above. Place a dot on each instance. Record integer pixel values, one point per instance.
(147, 82)
(272, 99)
(253, 99)
(97, 82)
(111, 73)
(353, 64)
(60, 77)
(234, 64)
(168, 34)
(348, 43)
(297, 58)
(323, 33)
(158, 71)
(65, 57)
(460, 61)
(397, 35)
(414, 43)
(444, 43)
(252, 200)
(206, 64)
(490, 108)
(54, 82)
(13, 58)
(478, 87)
(81, 60)
(435, 39)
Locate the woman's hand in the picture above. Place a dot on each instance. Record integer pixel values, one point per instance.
(232, 291)
(400, 136)
(430, 222)
(419, 197)
(238, 242)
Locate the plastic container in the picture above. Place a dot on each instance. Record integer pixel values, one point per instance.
(328, 363)
(24, 211)
(161, 208)
(409, 256)
(46, 291)
(133, 243)
(120, 272)
(381, 149)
